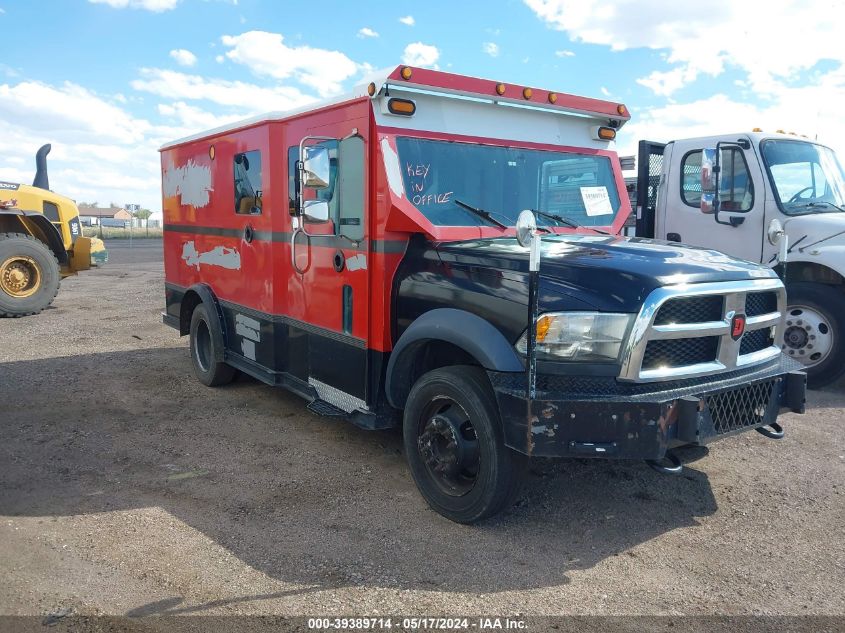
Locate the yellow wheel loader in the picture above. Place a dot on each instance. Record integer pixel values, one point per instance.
(41, 243)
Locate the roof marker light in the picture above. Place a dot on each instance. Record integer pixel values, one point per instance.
(757, 129)
(621, 109)
(500, 89)
(552, 97)
(211, 152)
(371, 89)
(527, 93)
(602, 133)
(405, 107)
(406, 72)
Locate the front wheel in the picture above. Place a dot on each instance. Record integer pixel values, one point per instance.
(813, 333)
(455, 447)
(29, 275)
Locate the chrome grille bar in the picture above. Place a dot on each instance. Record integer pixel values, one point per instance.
(728, 357)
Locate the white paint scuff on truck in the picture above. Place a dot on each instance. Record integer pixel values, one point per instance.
(218, 256)
(192, 182)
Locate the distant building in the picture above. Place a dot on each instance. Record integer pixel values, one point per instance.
(91, 216)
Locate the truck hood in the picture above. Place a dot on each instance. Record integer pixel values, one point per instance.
(829, 227)
(607, 273)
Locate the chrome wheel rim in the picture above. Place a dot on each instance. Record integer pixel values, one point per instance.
(808, 336)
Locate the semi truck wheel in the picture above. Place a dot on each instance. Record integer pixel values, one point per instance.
(29, 275)
(209, 372)
(455, 448)
(814, 334)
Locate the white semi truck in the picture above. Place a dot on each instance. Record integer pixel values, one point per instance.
(776, 199)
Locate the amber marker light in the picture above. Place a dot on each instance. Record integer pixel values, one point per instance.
(371, 89)
(622, 110)
(211, 152)
(405, 107)
(500, 89)
(527, 93)
(406, 72)
(606, 133)
(543, 326)
(552, 97)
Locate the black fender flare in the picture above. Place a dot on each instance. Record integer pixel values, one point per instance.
(476, 336)
(217, 324)
(38, 225)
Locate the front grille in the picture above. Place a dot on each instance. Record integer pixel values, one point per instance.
(690, 310)
(757, 303)
(755, 341)
(739, 408)
(680, 352)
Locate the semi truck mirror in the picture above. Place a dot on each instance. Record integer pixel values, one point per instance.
(709, 175)
(708, 203)
(316, 171)
(316, 211)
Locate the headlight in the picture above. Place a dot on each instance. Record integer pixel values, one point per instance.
(579, 336)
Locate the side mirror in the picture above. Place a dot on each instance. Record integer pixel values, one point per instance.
(709, 180)
(316, 211)
(316, 172)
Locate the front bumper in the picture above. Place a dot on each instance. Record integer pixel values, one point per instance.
(582, 416)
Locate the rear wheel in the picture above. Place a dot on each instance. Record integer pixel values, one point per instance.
(210, 372)
(455, 448)
(29, 275)
(814, 335)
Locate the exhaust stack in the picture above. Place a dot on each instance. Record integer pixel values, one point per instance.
(41, 180)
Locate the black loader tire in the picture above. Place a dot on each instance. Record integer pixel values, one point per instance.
(210, 372)
(499, 471)
(829, 301)
(49, 276)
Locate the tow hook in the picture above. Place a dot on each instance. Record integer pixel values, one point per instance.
(773, 431)
(674, 467)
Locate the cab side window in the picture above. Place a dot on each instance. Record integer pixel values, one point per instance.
(247, 174)
(736, 189)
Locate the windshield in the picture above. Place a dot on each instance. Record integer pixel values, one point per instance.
(503, 181)
(807, 177)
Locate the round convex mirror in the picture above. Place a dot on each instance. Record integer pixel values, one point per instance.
(526, 226)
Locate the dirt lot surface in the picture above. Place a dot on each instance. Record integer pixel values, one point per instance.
(128, 488)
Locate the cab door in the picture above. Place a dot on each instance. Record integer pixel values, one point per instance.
(329, 284)
(742, 196)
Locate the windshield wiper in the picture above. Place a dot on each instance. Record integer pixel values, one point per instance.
(818, 204)
(481, 213)
(559, 218)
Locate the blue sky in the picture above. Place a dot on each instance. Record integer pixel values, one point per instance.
(107, 81)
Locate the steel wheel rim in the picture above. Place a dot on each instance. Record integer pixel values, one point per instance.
(20, 276)
(202, 346)
(808, 337)
(448, 446)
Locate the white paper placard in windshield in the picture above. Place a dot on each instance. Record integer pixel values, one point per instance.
(596, 201)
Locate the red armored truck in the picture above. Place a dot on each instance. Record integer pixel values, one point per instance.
(370, 254)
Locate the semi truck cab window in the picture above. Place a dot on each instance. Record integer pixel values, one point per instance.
(504, 181)
(247, 172)
(736, 189)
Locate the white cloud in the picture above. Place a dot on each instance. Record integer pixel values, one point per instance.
(183, 57)
(100, 151)
(665, 83)
(367, 32)
(771, 45)
(564, 53)
(195, 119)
(419, 54)
(491, 48)
(150, 5)
(267, 54)
(251, 97)
(605, 91)
(408, 20)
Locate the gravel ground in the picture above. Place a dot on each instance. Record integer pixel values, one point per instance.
(128, 488)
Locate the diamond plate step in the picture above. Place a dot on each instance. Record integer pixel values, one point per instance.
(321, 407)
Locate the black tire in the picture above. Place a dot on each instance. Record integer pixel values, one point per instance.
(463, 496)
(829, 303)
(38, 257)
(208, 371)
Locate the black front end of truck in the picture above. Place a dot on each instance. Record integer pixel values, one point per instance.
(697, 361)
